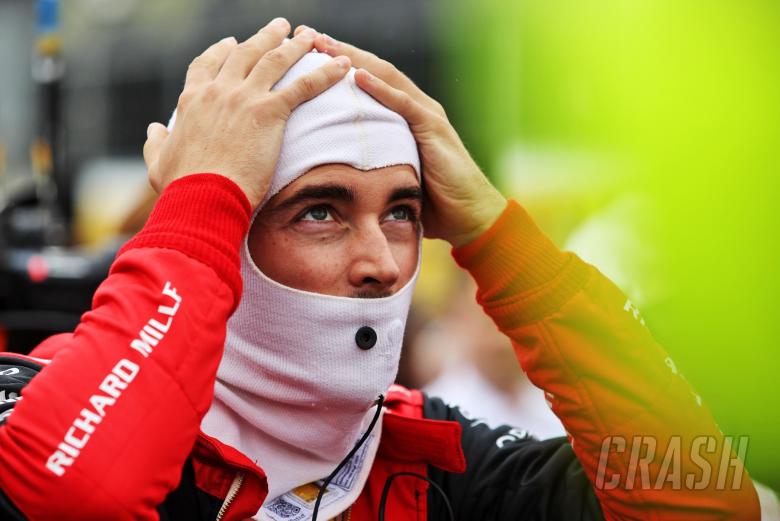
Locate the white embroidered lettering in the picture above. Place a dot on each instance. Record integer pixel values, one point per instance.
(141, 347)
(73, 441)
(67, 449)
(126, 370)
(100, 402)
(154, 331)
(112, 386)
(162, 328)
(57, 463)
(87, 421)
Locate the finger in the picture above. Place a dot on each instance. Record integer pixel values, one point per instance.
(308, 86)
(156, 134)
(380, 68)
(359, 57)
(276, 62)
(206, 66)
(246, 54)
(299, 29)
(394, 99)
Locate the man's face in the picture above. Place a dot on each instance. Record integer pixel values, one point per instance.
(337, 230)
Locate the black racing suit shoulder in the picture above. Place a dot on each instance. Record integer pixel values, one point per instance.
(509, 475)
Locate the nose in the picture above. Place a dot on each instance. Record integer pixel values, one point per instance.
(374, 270)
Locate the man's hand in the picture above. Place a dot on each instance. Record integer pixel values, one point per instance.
(228, 121)
(462, 204)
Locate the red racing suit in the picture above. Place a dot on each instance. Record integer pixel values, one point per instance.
(105, 421)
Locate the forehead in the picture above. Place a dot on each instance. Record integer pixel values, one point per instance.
(388, 177)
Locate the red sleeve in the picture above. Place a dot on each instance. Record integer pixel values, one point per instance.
(103, 430)
(620, 396)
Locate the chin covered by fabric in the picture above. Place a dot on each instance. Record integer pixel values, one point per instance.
(301, 370)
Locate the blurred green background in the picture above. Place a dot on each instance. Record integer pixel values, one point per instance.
(675, 104)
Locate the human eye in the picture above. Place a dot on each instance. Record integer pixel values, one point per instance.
(319, 213)
(402, 213)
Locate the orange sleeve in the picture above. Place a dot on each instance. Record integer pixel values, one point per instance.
(648, 445)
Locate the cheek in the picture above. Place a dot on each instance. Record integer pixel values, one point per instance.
(405, 254)
(308, 265)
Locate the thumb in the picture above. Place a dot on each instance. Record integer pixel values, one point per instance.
(156, 135)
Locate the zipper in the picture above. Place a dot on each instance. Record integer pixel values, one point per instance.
(231, 495)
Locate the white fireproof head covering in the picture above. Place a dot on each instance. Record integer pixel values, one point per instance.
(341, 125)
(295, 386)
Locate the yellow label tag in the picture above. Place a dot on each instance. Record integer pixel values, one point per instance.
(307, 492)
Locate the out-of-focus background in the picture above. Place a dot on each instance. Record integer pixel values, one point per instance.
(642, 135)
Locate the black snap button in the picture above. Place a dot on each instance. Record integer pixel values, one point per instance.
(365, 337)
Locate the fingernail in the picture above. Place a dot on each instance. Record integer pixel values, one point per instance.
(342, 62)
(149, 130)
(328, 40)
(368, 75)
(308, 33)
(229, 39)
(279, 21)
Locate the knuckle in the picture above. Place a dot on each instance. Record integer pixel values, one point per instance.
(332, 75)
(289, 99)
(303, 41)
(405, 101)
(307, 86)
(259, 108)
(211, 92)
(385, 67)
(195, 64)
(274, 57)
(186, 96)
(236, 98)
(286, 98)
(439, 122)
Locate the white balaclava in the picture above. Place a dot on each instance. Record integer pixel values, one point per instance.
(297, 382)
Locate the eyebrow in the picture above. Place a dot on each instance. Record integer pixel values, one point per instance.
(342, 193)
(318, 193)
(407, 192)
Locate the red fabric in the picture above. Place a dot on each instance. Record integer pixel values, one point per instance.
(51, 345)
(216, 466)
(126, 466)
(579, 338)
(417, 439)
(204, 216)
